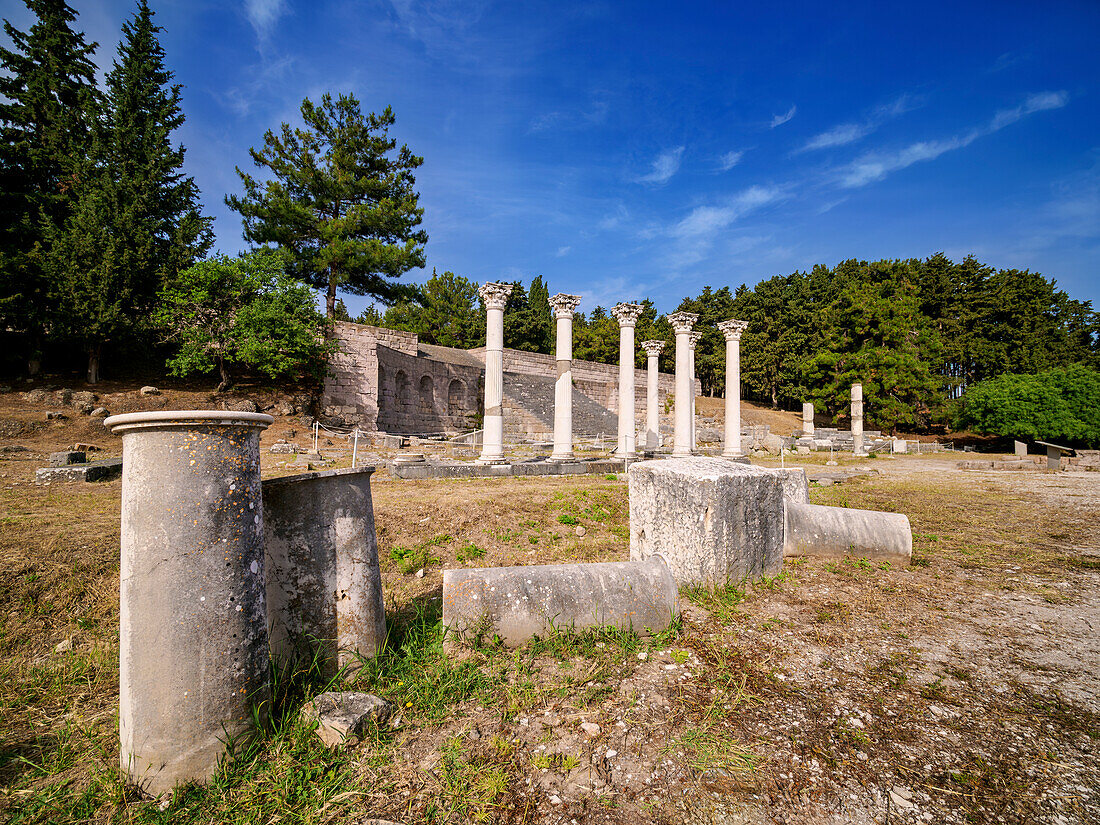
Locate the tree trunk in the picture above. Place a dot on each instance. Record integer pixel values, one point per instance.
(330, 298)
(94, 352)
(34, 359)
(227, 379)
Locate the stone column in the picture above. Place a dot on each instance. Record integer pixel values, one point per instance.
(807, 418)
(857, 419)
(627, 316)
(732, 329)
(653, 351)
(193, 657)
(693, 339)
(495, 297)
(682, 322)
(563, 306)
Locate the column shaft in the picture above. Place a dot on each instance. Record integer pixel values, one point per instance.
(564, 307)
(732, 446)
(652, 413)
(857, 419)
(495, 296)
(685, 391)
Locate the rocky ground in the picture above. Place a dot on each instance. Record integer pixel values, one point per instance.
(964, 688)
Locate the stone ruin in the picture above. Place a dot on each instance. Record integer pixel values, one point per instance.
(220, 571)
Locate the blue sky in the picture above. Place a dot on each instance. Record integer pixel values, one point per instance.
(626, 150)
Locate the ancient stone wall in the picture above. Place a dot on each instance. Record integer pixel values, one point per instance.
(384, 379)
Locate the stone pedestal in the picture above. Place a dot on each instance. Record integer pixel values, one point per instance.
(192, 621)
(653, 351)
(732, 329)
(324, 588)
(516, 603)
(563, 306)
(682, 322)
(627, 316)
(495, 297)
(857, 420)
(807, 418)
(711, 519)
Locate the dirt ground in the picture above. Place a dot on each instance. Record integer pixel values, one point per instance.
(963, 688)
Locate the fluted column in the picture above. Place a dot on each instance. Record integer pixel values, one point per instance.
(653, 351)
(682, 322)
(732, 329)
(564, 306)
(693, 339)
(627, 316)
(857, 419)
(495, 297)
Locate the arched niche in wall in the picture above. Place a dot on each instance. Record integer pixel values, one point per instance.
(401, 389)
(426, 391)
(456, 397)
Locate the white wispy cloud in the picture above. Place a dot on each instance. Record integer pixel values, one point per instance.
(705, 221)
(665, 166)
(779, 120)
(730, 159)
(840, 135)
(874, 166)
(264, 14)
(563, 251)
(614, 220)
(845, 133)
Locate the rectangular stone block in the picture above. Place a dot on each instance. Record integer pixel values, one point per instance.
(712, 520)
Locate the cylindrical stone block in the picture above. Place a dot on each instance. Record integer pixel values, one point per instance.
(564, 306)
(627, 316)
(517, 603)
(192, 624)
(815, 530)
(807, 418)
(324, 588)
(682, 323)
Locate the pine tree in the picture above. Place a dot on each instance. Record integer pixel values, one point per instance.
(337, 202)
(48, 103)
(136, 222)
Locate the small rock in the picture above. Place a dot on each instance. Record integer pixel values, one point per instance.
(55, 415)
(64, 646)
(247, 405)
(900, 801)
(643, 656)
(83, 399)
(64, 397)
(580, 531)
(555, 799)
(34, 396)
(100, 412)
(342, 715)
(420, 573)
(591, 728)
(285, 408)
(611, 753)
(147, 390)
(284, 447)
(13, 448)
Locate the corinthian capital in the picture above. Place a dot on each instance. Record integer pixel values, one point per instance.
(733, 328)
(694, 337)
(653, 348)
(626, 314)
(683, 321)
(564, 305)
(495, 295)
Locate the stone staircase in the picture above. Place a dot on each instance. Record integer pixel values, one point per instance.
(529, 410)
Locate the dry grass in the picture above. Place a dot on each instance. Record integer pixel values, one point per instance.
(831, 684)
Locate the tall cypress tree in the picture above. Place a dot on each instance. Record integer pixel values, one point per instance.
(136, 222)
(48, 103)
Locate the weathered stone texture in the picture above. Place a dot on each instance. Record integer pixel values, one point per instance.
(713, 520)
(516, 603)
(344, 716)
(193, 626)
(324, 589)
(836, 532)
